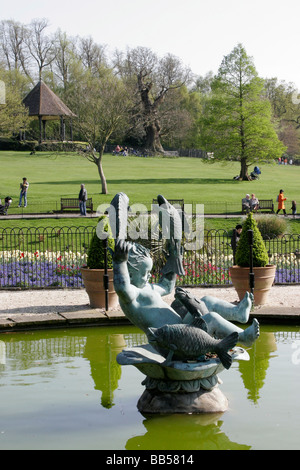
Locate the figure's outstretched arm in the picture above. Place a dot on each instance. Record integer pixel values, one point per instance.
(125, 290)
(166, 284)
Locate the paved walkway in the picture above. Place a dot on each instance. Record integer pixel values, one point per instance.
(94, 215)
(83, 315)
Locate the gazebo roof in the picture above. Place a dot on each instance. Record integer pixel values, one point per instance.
(42, 102)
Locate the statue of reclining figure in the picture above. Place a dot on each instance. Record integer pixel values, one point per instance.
(143, 305)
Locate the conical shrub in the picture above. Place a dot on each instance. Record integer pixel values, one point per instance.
(260, 253)
(95, 256)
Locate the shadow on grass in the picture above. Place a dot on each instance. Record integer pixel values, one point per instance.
(144, 181)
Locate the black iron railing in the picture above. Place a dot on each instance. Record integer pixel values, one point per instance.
(52, 257)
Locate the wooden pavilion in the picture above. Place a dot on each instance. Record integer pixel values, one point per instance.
(45, 105)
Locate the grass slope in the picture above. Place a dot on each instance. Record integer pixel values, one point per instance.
(54, 176)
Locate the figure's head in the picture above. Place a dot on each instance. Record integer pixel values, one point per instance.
(247, 196)
(239, 228)
(139, 265)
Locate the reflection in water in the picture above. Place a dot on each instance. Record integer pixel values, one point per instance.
(254, 372)
(29, 362)
(99, 347)
(101, 351)
(184, 432)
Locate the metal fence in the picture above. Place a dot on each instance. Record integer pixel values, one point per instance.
(53, 208)
(51, 258)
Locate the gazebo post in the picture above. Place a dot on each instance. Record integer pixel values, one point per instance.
(62, 129)
(71, 130)
(44, 129)
(40, 126)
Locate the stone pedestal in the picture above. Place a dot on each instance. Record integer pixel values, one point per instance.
(202, 401)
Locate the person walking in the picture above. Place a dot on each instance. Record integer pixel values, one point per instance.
(82, 200)
(280, 201)
(294, 208)
(23, 193)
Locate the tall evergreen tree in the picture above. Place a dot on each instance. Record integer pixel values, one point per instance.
(237, 119)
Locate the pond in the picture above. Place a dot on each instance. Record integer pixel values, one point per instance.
(63, 389)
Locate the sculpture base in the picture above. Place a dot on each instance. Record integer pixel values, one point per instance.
(155, 402)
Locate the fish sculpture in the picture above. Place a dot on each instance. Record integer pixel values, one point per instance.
(194, 306)
(188, 342)
(171, 224)
(118, 215)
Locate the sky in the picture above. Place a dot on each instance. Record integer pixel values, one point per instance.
(199, 32)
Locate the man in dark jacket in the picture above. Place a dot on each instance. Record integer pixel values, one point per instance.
(235, 239)
(82, 200)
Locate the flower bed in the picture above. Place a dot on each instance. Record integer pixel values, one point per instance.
(287, 268)
(40, 269)
(47, 269)
(202, 270)
(205, 272)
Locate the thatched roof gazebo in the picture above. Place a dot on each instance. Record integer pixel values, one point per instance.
(45, 105)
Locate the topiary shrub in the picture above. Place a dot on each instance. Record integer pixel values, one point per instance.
(95, 256)
(260, 253)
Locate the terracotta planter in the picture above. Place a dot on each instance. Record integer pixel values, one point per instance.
(94, 285)
(263, 280)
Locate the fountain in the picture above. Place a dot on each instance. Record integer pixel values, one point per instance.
(189, 342)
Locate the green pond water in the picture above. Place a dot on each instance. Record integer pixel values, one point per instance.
(63, 389)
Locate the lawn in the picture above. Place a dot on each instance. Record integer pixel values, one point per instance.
(142, 179)
(53, 176)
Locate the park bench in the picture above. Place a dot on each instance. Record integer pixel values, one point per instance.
(174, 202)
(67, 203)
(264, 205)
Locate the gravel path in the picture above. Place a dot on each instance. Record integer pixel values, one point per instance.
(48, 301)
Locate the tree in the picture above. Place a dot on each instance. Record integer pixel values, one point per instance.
(92, 55)
(64, 57)
(237, 120)
(13, 114)
(289, 136)
(101, 106)
(151, 79)
(13, 46)
(180, 113)
(41, 46)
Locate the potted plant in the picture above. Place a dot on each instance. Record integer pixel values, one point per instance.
(93, 272)
(264, 273)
